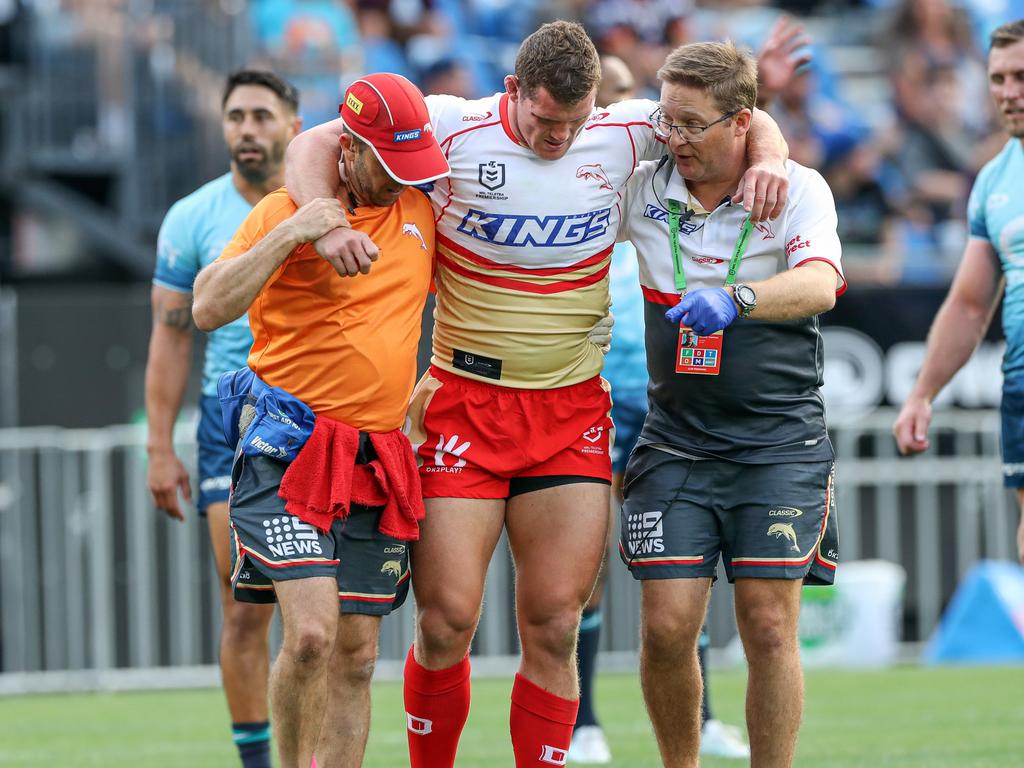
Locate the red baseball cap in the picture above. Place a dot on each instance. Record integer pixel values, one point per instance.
(388, 113)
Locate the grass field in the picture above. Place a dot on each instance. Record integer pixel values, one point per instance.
(909, 717)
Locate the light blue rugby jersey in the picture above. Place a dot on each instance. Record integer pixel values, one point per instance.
(625, 366)
(996, 213)
(193, 234)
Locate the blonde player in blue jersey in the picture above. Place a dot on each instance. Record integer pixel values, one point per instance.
(993, 258)
(259, 119)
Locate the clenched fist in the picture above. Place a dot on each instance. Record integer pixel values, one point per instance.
(316, 218)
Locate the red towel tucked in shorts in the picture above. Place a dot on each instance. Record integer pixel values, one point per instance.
(324, 480)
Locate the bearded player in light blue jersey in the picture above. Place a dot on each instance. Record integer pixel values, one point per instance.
(994, 257)
(259, 112)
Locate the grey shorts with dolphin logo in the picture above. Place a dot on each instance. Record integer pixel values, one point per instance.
(770, 521)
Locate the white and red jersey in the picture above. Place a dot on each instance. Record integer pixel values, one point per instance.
(765, 404)
(806, 231)
(524, 244)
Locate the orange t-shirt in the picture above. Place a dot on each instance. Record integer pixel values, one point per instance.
(345, 346)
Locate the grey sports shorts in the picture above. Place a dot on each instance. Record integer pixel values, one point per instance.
(769, 521)
(268, 545)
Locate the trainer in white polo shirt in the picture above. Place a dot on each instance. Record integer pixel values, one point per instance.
(734, 461)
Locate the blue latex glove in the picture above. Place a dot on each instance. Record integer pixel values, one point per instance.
(706, 310)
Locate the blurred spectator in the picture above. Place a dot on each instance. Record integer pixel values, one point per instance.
(868, 223)
(641, 33)
(12, 32)
(313, 43)
(448, 76)
(925, 34)
(380, 49)
(811, 123)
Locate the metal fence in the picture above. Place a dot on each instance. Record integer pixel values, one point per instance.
(99, 590)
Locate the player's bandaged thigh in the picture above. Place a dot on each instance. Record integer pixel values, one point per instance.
(667, 527)
(782, 520)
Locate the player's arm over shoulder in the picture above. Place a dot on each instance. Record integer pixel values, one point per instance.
(256, 254)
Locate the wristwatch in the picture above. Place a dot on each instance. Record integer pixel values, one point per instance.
(745, 297)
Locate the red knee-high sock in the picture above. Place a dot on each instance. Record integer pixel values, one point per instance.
(541, 725)
(436, 708)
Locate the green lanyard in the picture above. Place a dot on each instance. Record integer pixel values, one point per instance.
(677, 252)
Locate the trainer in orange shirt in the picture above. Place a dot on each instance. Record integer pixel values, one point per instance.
(334, 357)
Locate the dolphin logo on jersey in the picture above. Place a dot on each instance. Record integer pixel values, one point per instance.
(414, 231)
(596, 172)
(765, 228)
(392, 568)
(784, 531)
(492, 175)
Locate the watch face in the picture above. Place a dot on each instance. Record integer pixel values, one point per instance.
(745, 294)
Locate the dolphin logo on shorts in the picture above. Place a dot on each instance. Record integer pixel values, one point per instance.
(784, 531)
(392, 567)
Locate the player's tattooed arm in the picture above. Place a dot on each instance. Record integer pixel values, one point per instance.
(173, 309)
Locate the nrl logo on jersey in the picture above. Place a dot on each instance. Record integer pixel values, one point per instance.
(492, 175)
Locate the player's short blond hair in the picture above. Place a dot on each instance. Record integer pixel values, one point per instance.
(560, 58)
(727, 73)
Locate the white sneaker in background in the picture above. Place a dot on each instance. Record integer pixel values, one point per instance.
(720, 740)
(589, 746)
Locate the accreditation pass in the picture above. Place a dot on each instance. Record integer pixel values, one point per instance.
(698, 354)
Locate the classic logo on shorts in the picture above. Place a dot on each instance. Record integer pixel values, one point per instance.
(644, 533)
(784, 512)
(418, 725)
(552, 755)
(392, 568)
(450, 447)
(288, 536)
(784, 531)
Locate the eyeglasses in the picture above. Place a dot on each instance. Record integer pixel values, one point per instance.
(691, 132)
